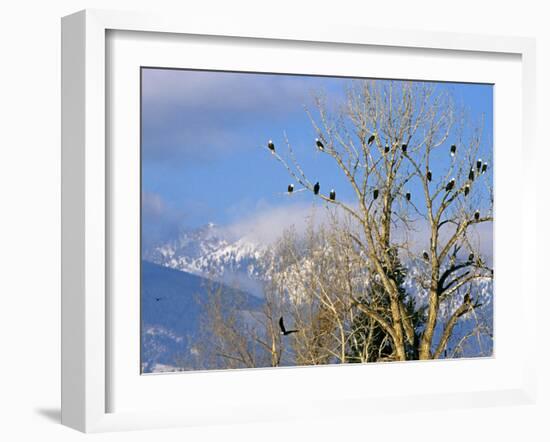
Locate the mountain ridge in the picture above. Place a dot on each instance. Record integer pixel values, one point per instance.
(210, 252)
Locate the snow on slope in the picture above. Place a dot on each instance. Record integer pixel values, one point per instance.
(208, 251)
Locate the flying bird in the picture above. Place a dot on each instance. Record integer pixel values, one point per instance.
(450, 185)
(453, 150)
(319, 144)
(284, 331)
(404, 148)
(158, 299)
(316, 188)
(471, 175)
(425, 255)
(484, 168)
(375, 193)
(466, 190)
(476, 215)
(271, 146)
(478, 164)
(290, 188)
(429, 175)
(332, 195)
(371, 139)
(408, 196)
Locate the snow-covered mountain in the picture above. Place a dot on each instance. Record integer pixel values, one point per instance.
(175, 275)
(211, 252)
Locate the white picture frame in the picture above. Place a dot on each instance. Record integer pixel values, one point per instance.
(87, 203)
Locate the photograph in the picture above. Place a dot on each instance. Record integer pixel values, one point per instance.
(292, 220)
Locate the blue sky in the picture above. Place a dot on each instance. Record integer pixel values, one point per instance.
(203, 144)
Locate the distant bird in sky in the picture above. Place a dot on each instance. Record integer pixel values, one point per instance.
(408, 196)
(158, 299)
(290, 188)
(429, 175)
(476, 215)
(404, 148)
(271, 146)
(319, 144)
(425, 255)
(466, 190)
(284, 331)
(316, 188)
(453, 150)
(371, 139)
(450, 185)
(386, 148)
(375, 193)
(478, 164)
(471, 175)
(332, 195)
(484, 168)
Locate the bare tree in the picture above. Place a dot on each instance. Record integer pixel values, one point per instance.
(391, 273)
(234, 335)
(385, 137)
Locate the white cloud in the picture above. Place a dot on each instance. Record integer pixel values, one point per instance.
(152, 204)
(159, 220)
(267, 224)
(223, 91)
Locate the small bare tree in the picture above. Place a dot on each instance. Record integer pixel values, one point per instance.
(235, 335)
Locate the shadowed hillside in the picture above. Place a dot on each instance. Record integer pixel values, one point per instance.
(171, 309)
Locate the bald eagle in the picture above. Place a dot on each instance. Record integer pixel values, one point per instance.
(478, 164)
(453, 150)
(484, 168)
(386, 148)
(425, 255)
(375, 193)
(466, 190)
(271, 146)
(408, 196)
(371, 139)
(476, 215)
(450, 185)
(319, 144)
(404, 148)
(284, 331)
(471, 175)
(290, 188)
(316, 188)
(332, 195)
